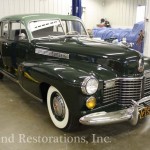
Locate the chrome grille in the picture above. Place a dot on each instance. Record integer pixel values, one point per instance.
(130, 89)
(124, 91)
(111, 94)
(147, 86)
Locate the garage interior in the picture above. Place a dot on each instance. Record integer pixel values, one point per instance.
(21, 115)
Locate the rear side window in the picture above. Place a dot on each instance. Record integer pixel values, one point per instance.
(5, 32)
(17, 31)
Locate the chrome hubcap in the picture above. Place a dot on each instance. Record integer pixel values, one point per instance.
(59, 107)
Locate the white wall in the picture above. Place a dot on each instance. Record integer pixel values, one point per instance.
(93, 12)
(11, 7)
(122, 12)
(92, 15)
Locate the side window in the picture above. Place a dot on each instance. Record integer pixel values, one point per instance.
(58, 29)
(76, 26)
(5, 32)
(17, 31)
(64, 26)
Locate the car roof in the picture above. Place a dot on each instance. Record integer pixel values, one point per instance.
(30, 17)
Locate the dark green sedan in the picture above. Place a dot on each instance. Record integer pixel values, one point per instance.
(82, 80)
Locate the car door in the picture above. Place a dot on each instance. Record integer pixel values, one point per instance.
(15, 47)
(4, 49)
(19, 44)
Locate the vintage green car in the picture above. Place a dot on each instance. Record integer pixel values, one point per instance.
(82, 80)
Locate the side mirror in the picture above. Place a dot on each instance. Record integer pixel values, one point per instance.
(22, 36)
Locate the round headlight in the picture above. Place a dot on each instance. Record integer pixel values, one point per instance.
(89, 85)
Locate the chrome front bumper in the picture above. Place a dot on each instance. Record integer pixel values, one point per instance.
(102, 118)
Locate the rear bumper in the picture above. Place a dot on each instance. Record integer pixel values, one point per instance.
(130, 114)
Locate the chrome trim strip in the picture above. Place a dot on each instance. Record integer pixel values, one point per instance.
(125, 79)
(9, 76)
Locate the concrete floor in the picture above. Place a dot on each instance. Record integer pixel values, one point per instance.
(25, 125)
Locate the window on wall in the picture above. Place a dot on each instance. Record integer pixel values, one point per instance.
(140, 14)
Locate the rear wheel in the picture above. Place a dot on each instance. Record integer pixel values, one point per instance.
(59, 111)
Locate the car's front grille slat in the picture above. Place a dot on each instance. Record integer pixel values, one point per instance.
(147, 86)
(127, 89)
(147, 93)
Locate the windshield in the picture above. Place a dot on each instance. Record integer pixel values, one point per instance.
(51, 28)
(45, 28)
(73, 27)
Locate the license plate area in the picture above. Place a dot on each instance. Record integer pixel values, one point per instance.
(144, 112)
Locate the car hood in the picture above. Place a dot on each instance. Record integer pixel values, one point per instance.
(85, 52)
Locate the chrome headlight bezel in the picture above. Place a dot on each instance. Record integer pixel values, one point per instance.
(85, 85)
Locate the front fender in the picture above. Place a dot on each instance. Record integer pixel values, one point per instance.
(65, 78)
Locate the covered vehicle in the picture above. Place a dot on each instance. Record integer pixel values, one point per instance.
(82, 80)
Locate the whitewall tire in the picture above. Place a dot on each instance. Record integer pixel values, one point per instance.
(57, 107)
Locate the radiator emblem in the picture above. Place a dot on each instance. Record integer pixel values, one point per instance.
(110, 84)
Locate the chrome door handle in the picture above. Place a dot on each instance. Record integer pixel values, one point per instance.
(6, 44)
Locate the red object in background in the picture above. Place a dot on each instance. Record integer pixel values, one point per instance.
(140, 38)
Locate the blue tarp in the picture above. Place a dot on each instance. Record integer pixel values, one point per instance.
(130, 34)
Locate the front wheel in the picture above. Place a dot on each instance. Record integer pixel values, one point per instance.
(58, 110)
